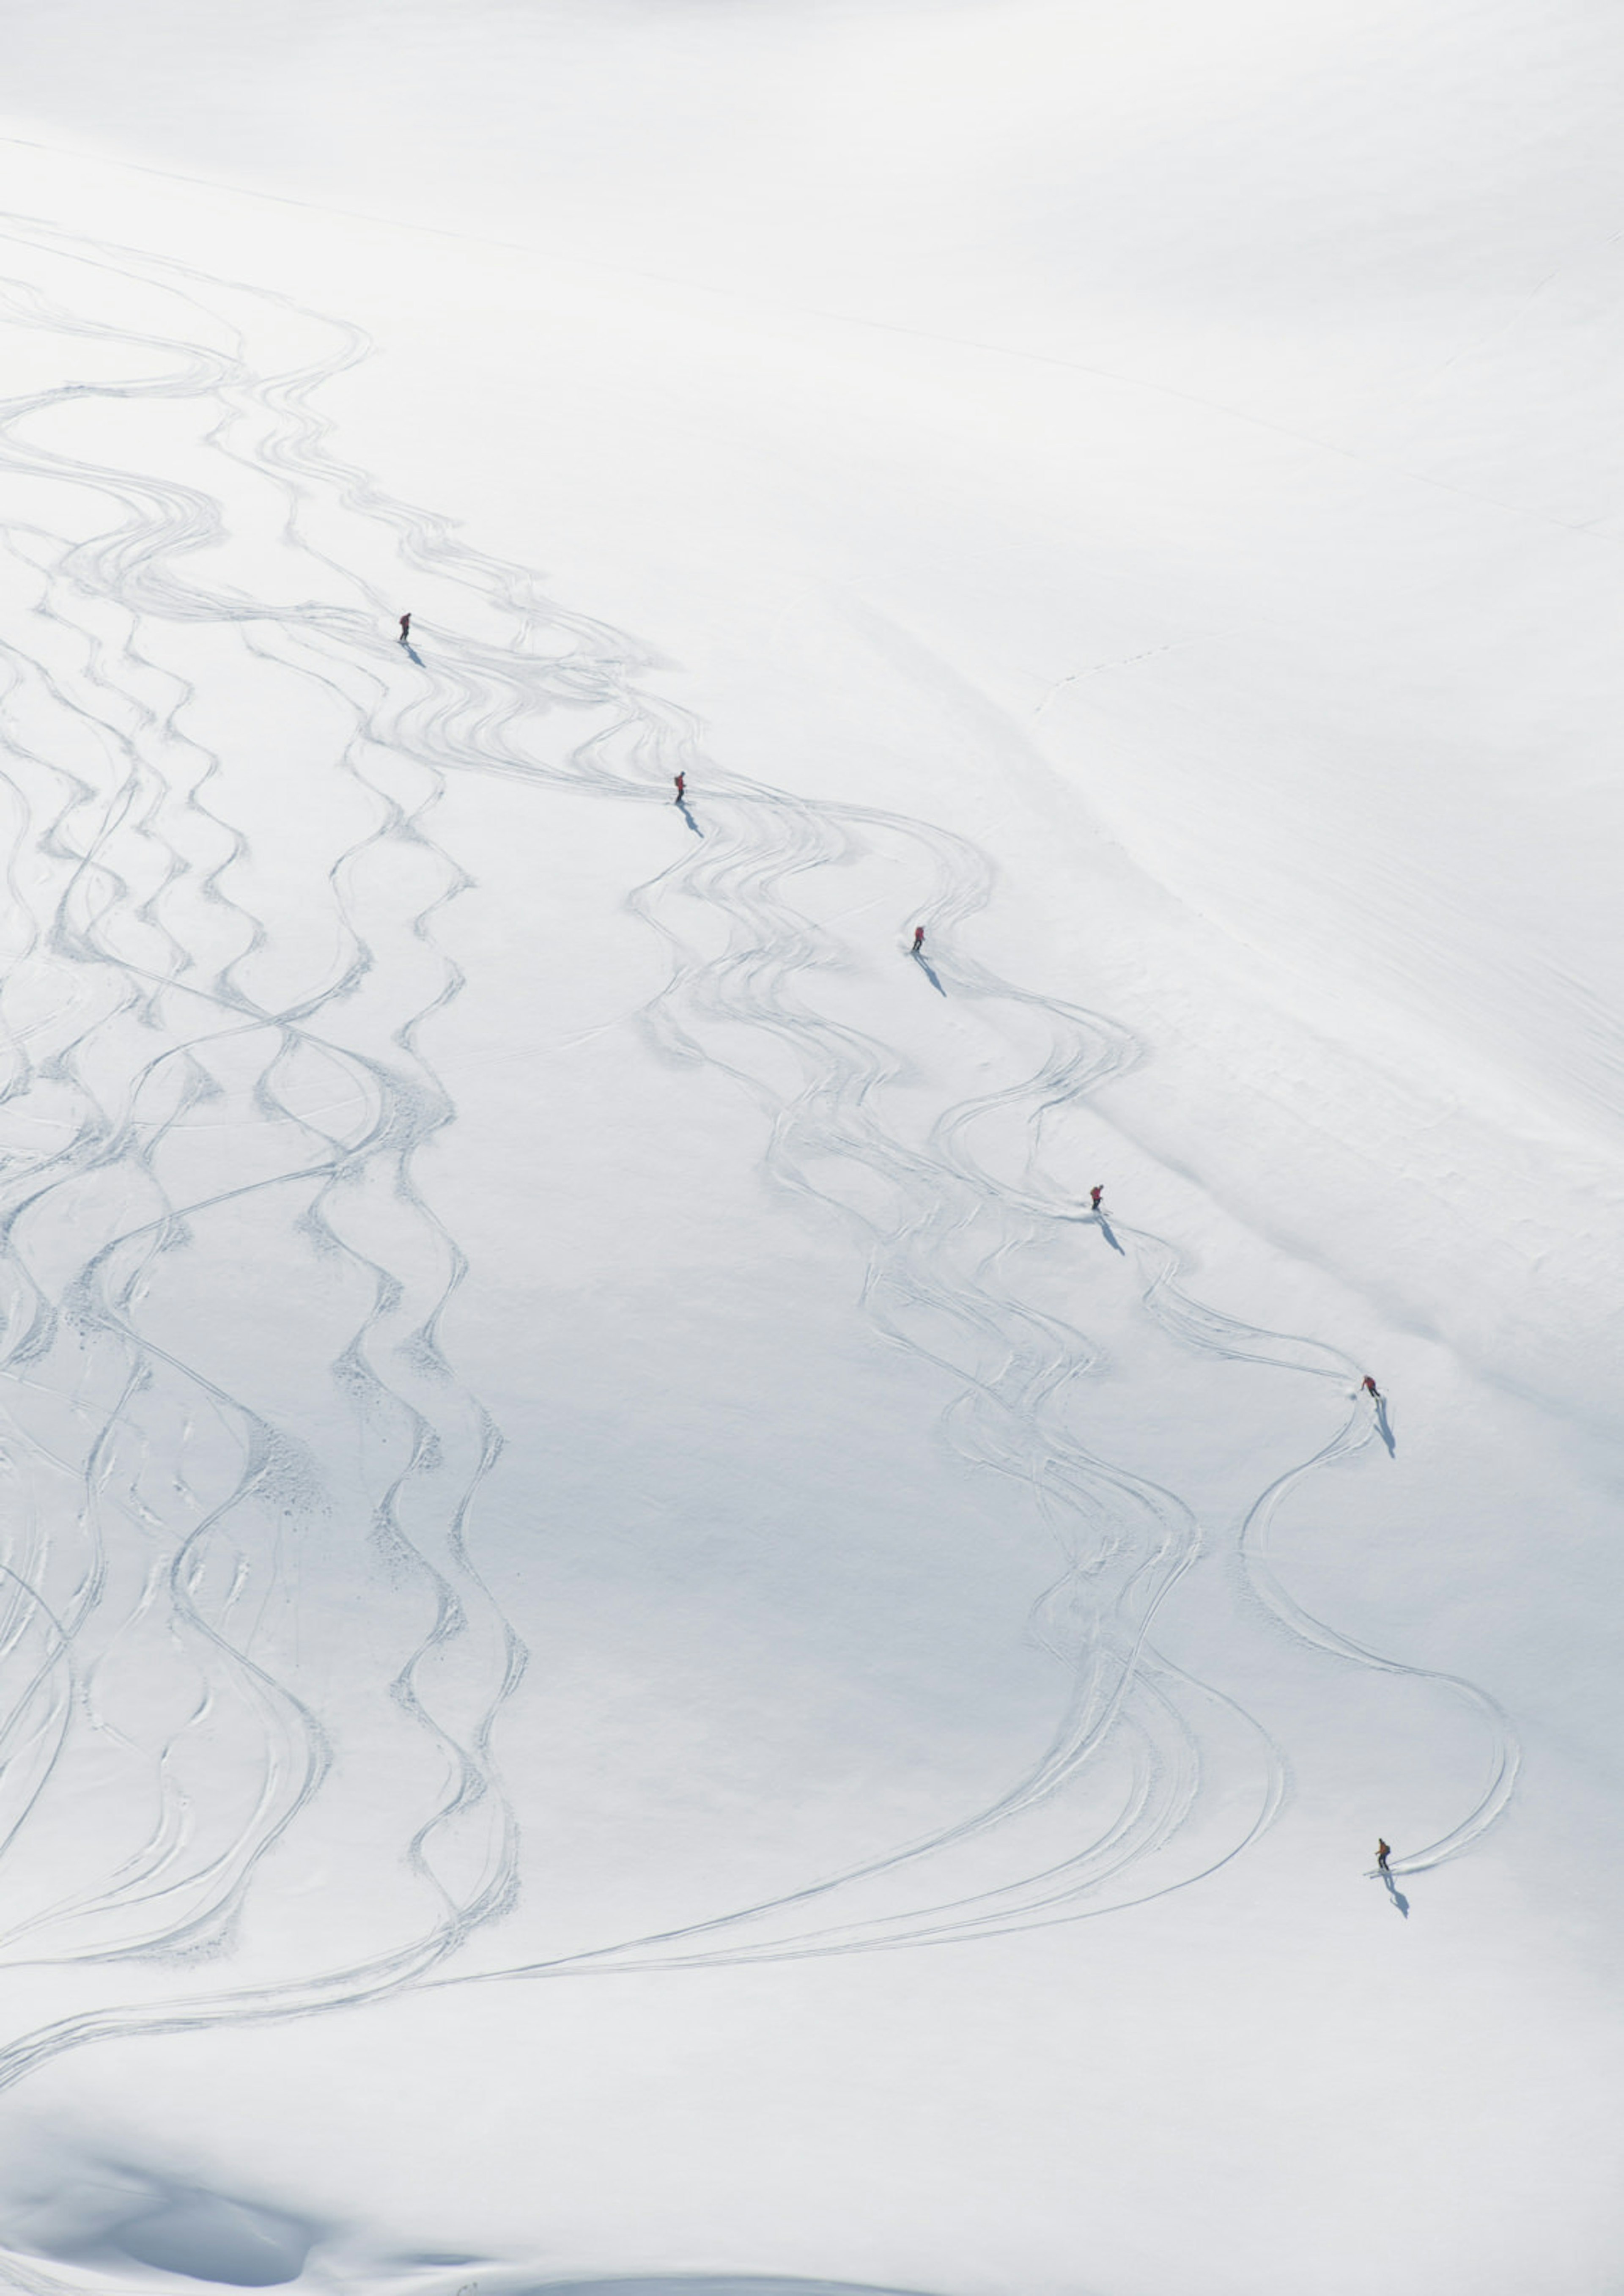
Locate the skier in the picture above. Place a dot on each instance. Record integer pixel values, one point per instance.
(1094, 1198)
(682, 787)
(1371, 1388)
(919, 938)
(1382, 1854)
(405, 629)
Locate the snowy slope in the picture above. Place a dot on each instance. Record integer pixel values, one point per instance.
(569, 1419)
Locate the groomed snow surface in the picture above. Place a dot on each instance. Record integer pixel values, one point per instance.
(635, 1654)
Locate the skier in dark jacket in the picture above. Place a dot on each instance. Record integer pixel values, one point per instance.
(1383, 1853)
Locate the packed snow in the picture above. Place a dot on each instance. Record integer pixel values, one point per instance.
(792, 1312)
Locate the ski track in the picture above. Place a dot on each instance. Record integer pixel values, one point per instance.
(157, 1509)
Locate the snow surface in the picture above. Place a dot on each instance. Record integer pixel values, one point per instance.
(636, 1655)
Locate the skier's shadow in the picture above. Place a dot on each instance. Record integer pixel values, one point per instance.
(682, 807)
(1109, 1233)
(927, 969)
(1397, 1895)
(1384, 1429)
(410, 653)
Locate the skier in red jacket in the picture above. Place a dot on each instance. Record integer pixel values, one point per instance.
(919, 938)
(1371, 1388)
(405, 629)
(1094, 1198)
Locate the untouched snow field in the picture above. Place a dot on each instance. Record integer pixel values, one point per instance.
(636, 1654)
